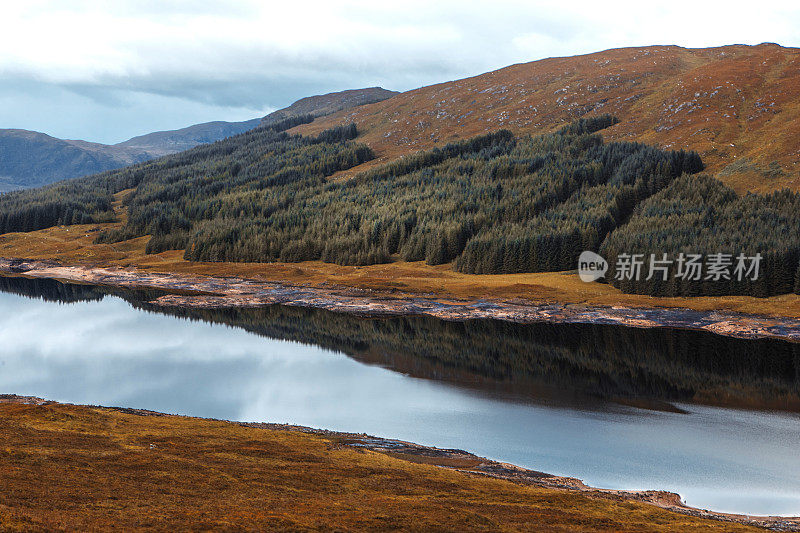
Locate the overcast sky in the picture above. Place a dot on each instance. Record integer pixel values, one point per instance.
(106, 71)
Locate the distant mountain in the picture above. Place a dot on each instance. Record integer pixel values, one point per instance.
(169, 142)
(31, 159)
(738, 106)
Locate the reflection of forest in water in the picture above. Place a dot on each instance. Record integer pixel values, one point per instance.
(610, 362)
(51, 290)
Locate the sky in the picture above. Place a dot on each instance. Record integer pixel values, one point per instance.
(107, 71)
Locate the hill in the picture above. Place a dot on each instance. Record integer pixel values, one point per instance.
(32, 159)
(326, 104)
(738, 106)
(494, 203)
(491, 204)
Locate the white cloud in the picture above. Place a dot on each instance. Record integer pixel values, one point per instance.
(249, 55)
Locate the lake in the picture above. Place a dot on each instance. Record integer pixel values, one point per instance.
(615, 407)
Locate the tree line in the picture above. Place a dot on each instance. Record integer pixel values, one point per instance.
(699, 215)
(88, 200)
(495, 203)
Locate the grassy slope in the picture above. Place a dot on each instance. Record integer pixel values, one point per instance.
(80, 468)
(736, 105)
(74, 245)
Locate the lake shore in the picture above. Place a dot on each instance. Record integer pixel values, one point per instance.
(53, 442)
(198, 291)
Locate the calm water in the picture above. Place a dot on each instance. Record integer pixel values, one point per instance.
(543, 401)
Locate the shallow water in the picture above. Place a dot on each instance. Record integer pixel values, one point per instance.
(375, 376)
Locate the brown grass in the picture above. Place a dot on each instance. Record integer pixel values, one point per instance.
(92, 469)
(727, 103)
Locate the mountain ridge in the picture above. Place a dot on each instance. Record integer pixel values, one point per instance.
(31, 158)
(736, 105)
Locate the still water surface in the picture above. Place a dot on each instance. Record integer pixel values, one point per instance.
(100, 349)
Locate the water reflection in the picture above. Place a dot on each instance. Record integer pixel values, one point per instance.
(642, 367)
(103, 351)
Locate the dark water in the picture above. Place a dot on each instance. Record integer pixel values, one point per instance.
(554, 398)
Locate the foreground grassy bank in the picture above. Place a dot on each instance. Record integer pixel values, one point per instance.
(65, 467)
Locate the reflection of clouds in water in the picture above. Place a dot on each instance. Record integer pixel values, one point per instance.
(107, 353)
(338, 392)
(111, 354)
(82, 330)
(110, 329)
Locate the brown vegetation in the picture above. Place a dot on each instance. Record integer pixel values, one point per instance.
(736, 105)
(74, 468)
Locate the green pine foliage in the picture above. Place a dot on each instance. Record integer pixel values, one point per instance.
(700, 215)
(445, 204)
(63, 203)
(492, 204)
(255, 177)
(797, 281)
(88, 200)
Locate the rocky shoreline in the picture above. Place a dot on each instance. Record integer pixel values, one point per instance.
(207, 292)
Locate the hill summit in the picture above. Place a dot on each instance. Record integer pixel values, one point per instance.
(738, 106)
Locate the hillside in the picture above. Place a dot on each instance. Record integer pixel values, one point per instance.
(492, 203)
(32, 159)
(264, 196)
(738, 106)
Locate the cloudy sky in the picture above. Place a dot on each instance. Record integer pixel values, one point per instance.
(104, 71)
